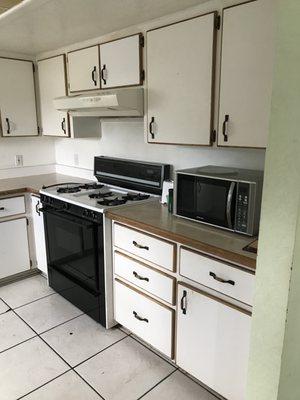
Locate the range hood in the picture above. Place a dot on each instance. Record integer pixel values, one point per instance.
(115, 103)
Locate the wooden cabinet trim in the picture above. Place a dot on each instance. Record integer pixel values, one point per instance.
(215, 298)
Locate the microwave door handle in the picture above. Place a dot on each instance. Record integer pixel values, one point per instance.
(229, 203)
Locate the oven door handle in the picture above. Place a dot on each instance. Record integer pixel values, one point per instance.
(229, 204)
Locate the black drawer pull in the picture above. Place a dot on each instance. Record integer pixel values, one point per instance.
(8, 126)
(225, 123)
(216, 278)
(183, 302)
(141, 278)
(63, 125)
(37, 209)
(94, 76)
(139, 246)
(2, 208)
(140, 318)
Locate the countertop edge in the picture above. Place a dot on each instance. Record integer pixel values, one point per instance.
(244, 262)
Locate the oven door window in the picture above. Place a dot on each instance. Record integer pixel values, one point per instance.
(73, 248)
(204, 199)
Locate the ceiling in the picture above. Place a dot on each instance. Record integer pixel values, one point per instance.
(36, 26)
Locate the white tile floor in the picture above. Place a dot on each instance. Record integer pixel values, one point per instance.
(51, 350)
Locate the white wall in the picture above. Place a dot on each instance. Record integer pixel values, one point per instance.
(126, 139)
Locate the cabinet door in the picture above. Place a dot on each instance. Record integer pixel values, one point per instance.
(180, 60)
(52, 84)
(17, 98)
(14, 253)
(246, 75)
(83, 68)
(213, 342)
(39, 235)
(121, 62)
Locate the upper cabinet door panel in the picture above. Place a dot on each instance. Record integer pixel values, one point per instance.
(84, 69)
(52, 84)
(121, 62)
(17, 98)
(180, 63)
(246, 74)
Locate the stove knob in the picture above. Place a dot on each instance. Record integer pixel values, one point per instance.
(66, 206)
(85, 213)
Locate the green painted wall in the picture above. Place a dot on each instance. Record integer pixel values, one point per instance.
(279, 213)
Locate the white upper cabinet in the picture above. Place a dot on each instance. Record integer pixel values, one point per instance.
(52, 84)
(83, 69)
(180, 64)
(213, 342)
(246, 74)
(121, 62)
(17, 98)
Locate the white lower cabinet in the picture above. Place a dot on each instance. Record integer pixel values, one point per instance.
(145, 317)
(39, 234)
(213, 341)
(14, 253)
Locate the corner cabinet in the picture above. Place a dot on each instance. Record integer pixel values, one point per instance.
(83, 69)
(17, 98)
(246, 74)
(180, 65)
(52, 84)
(121, 62)
(213, 339)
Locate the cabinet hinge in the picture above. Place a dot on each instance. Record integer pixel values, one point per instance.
(33, 67)
(218, 22)
(213, 136)
(27, 221)
(142, 41)
(39, 130)
(142, 75)
(31, 263)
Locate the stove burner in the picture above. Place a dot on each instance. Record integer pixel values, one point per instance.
(100, 195)
(89, 186)
(135, 197)
(112, 202)
(69, 189)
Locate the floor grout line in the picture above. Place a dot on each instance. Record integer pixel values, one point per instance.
(158, 383)
(33, 301)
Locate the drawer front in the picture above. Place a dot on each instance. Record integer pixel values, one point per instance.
(12, 206)
(218, 276)
(144, 277)
(147, 247)
(146, 318)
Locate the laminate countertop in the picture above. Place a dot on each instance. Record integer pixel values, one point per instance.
(154, 218)
(34, 183)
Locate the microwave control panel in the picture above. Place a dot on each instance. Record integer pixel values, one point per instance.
(242, 206)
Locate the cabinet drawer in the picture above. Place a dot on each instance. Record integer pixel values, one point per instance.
(12, 206)
(144, 277)
(151, 249)
(146, 318)
(212, 273)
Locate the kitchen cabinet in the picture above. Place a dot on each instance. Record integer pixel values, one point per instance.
(213, 341)
(246, 74)
(17, 98)
(39, 234)
(52, 84)
(14, 252)
(121, 62)
(180, 64)
(83, 69)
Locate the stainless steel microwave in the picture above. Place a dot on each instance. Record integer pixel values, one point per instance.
(228, 198)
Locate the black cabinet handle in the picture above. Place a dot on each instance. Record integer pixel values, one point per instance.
(183, 302)
(37, 208)
(139, 246)
(141, 278)
(225, 123)
(216, 278)
(8, 126)
(63, 125)
(151, 128)
(94, 79)
(2, 208)
(139, 318)
(102, 74)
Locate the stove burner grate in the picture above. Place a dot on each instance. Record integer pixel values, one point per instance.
(100, 195)
(70, 189)
(135, 197)
(112, 202)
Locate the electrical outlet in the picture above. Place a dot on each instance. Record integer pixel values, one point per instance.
(18, 160)
(76, 159)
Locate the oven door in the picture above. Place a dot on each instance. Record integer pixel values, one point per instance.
(206, 200)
